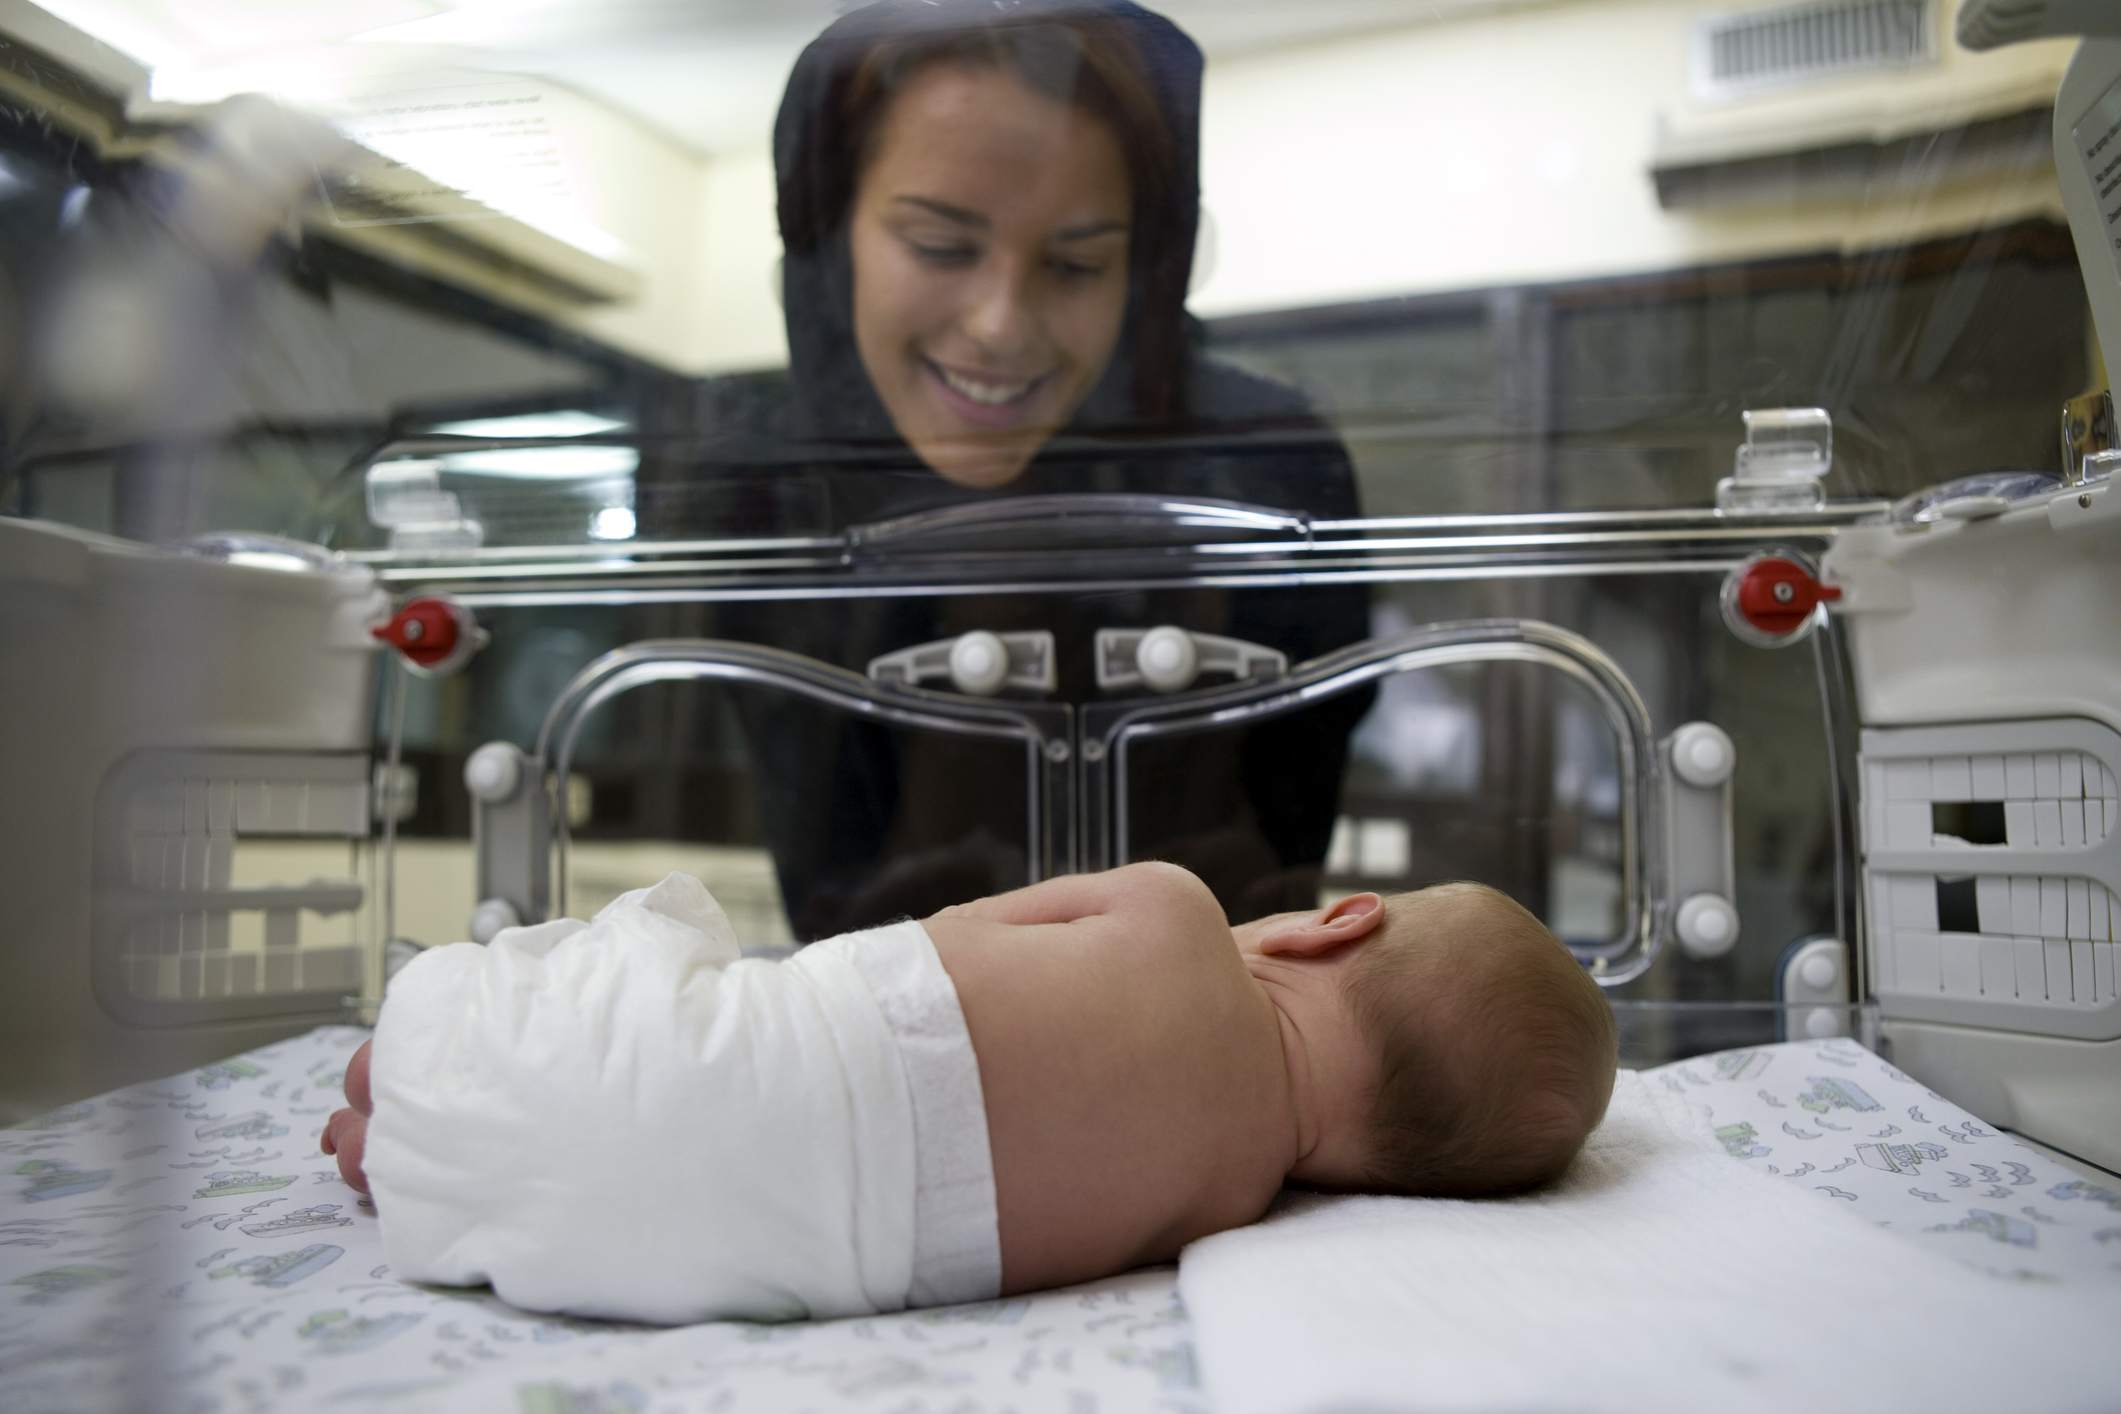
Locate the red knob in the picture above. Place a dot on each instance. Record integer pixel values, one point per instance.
(426, 631)
(1777, 597)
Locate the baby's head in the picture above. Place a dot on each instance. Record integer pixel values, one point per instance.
(1495, 1051)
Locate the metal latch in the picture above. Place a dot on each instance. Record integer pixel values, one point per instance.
(978, 663)
(1169, 659)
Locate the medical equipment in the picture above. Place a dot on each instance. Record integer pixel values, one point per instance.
(1987, 670)
(214, 706)
(1788, 568)
(1818, 777)
(1991, 747)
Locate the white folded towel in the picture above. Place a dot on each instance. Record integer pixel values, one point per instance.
(621, 1118)
(1660, 1275)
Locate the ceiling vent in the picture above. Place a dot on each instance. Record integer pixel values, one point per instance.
(1740, 54)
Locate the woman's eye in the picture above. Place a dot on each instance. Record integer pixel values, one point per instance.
(1076, 270)
(944, 256)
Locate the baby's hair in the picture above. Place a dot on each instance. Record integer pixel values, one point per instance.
(1496, 1050)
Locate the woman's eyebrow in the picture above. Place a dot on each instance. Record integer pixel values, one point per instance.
(964, 216)
(948, 212)
(1089, 229)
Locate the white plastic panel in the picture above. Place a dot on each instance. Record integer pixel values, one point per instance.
(209, 898)
(2011, 923)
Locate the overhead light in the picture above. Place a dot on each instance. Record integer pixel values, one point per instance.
(571, 423)
(312, 78)
(446, 132)
(361, 96)
(612, 523)
(545, 463)
(482, 22)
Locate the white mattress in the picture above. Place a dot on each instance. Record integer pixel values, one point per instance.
(183, 1244)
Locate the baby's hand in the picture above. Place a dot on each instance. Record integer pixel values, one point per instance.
(346, 1133)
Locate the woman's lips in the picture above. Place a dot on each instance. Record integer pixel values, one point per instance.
(983, 402)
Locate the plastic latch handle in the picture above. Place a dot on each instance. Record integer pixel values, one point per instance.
(1777, 596)
(433, 633)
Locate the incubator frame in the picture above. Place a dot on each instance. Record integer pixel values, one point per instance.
(1079, 820)
(1077, 758)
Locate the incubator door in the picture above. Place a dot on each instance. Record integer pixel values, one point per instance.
(1505, 750)
(828, 801)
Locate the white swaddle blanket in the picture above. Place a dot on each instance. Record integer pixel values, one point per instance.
(622, 1118)
(1659, 1277)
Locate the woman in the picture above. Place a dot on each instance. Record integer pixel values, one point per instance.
(1006, 194)
(989, 215)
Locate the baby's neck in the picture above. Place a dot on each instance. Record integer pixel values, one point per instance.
(1285, 1124)
(1322, 1063)
(1252, 1146)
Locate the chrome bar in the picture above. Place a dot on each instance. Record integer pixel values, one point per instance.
(611, 563)
(1466, 568)
(604, 550)
(1835, 512)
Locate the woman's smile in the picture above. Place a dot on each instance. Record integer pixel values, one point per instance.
(984, 400)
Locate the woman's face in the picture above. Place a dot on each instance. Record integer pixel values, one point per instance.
(989, 245)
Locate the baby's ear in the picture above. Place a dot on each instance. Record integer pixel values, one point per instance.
(1316, 934)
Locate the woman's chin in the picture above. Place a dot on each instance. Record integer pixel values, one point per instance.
(975, 465)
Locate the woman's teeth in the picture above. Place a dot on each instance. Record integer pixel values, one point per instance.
(986, 394)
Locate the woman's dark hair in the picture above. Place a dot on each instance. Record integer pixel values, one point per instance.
(1084, 55)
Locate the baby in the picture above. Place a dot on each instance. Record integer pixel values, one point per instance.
(1027, 1091)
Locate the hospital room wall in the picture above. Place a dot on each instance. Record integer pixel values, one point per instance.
(1470, 153)
(649, 192)
(1420, 160)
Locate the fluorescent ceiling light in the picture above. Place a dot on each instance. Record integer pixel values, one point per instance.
(306, 77)
(571, 423)
(545, 463)
(494, 22)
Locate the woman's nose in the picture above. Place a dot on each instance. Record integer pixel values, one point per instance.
(1000, 317)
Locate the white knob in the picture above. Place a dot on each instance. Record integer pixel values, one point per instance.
(1168, 658)
(1702, 755)
(493, 772)
(491, 917)
(1707, 925)
(1818, 972)
(979, 663)
(1821, 1022)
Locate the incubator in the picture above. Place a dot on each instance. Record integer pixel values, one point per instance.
(432, 502)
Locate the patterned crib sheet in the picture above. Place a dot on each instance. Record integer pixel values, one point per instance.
(1862, 1134)
(182, 1245)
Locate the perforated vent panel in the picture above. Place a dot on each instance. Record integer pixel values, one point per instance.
(1992, 855)
(1792, 43)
